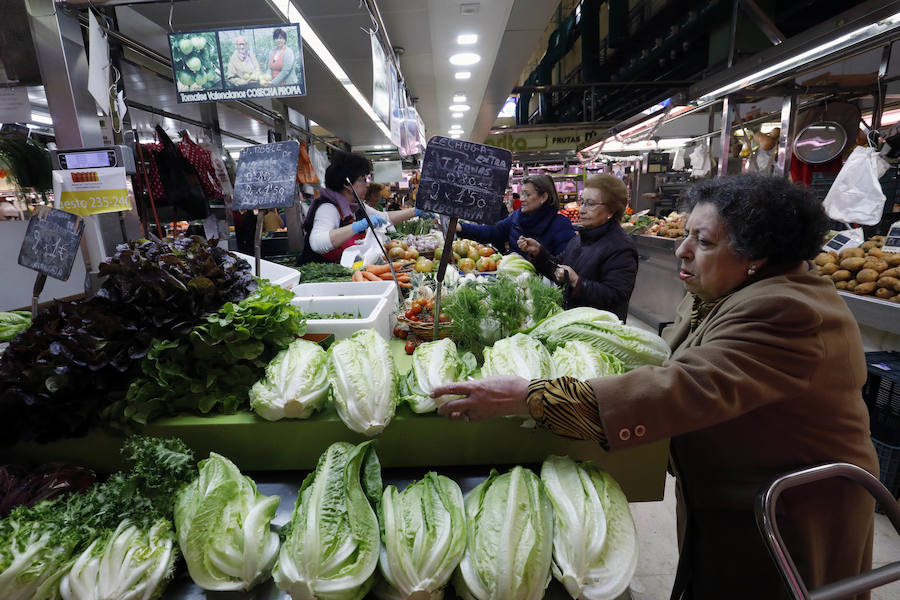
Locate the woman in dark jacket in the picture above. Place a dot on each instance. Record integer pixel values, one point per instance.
(538, 219)
(599, 265)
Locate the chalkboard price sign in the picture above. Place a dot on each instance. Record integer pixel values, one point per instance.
(463, 179)
(266, 176)
(51, 242)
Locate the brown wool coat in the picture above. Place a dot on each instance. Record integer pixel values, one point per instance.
(770, 381)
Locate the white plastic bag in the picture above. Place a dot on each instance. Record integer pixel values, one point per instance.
(700, 164)
(678, 161)
(856, 196)
(368, 250)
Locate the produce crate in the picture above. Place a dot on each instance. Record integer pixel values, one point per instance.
(882, 395)
(888, 468)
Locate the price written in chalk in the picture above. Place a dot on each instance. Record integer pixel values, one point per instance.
(51, 243)
(463, 179)
(267, 176)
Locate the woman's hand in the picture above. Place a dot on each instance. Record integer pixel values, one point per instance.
(529, 245)
(496, 396)
(565, 271)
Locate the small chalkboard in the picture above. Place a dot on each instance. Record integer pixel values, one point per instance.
(463, 179)
(51, 242)
(266, 176)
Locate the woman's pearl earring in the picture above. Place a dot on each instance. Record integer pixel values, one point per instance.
(751, 271)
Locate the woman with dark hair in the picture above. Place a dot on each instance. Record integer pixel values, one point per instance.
(538, 219)
(280, 65)
(373, 194)
(335, 220)
(764, 377)
(599, 266)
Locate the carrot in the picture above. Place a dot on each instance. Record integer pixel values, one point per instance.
(370, 276)
(403, 278)
(357, 276)
(402, 263)
(387, 276)
(378, 269)
(405, 285)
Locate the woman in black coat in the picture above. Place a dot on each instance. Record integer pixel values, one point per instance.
(599, 265)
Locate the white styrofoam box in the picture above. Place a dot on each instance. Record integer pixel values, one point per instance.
(384, 289)
(375, 312)
(286, 277)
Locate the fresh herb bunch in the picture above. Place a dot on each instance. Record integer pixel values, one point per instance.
(315, 272)
(415, 226)
(213, 367)
(334, 315)
(79, 356)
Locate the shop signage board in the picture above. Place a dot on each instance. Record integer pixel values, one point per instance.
(238, 63)
(51, 242)
(266, 176)
(463, 179)
(91, 191)
(543, 141)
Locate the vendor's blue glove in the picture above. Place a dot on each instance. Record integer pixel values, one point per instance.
(424, 213)
(360, 226)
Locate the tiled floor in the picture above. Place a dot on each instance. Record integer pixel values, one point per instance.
(658, 552)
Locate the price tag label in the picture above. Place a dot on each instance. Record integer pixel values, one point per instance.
(892, 241)
(51, 242)
(266, 176)
(91, 191)
(852, 238)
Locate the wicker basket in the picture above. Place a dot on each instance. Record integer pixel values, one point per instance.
(425, 331)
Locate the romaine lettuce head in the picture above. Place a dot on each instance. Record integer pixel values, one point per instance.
(585, 314)
(424, 533)
(35, 552)
(223, 527)
(520, 355)
(129, 563)
(331, 548)
(363, 382)
(295, 384)
(594, 539)
(433, 364)
(510, 539)
(514, 264)
(634, 347)
(582, 361)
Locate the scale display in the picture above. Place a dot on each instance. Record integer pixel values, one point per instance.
(892, 241)
(93, 158)
(86, 160)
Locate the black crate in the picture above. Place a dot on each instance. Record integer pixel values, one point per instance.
(882, 395)
(888, 468)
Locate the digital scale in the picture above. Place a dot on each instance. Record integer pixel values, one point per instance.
(892, 240)
(851, 238)
(94, 158)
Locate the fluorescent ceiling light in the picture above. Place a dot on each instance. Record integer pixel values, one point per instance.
(313, 123)
(669, 143)
(465, 39)
(462, 75)
(464, 59)
(459, 107)
(819, 51)
(455, 136)
(290, 14)
(37, 117)
(459, 97)
(456, 126)
(457, 115)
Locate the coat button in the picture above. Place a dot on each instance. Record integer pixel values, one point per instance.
(624, 434)
(639, 431)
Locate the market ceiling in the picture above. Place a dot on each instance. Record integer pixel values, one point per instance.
(507, 32)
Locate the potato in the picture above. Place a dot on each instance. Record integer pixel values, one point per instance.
(884, 293)
(891, 258)
(864, 288)
(874, 251)
(851, 285)
(866, 275)
(876, 263)
(888, 282)
(834, 254)
(841, 285)
(869, 245)
(823, 258)
(895, 298)
(842, 275)
(853, 263)
(828, 269)
(893, 272)
(852, 253)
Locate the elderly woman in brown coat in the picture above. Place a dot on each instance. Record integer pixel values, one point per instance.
(764, 377)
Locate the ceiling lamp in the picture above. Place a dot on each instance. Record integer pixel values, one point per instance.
(465, 39)
(462, 75)
(459, 97)
(459, 107)
(464, 59)
(457, 115)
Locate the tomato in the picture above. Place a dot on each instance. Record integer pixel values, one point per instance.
(429, 303)
(411, 346)
(413, 311)
(486, 251)
(442, 318)
(401, 333)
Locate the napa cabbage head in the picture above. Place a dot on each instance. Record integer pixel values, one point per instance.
(424, 533)
(594, 539)
(520, 355)
(363, 381)
(510, 539)
(295, 384)
(579, 314)
(331, 545)
(433, 364)
(582, 361)
(223, 527)
(128, 563)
